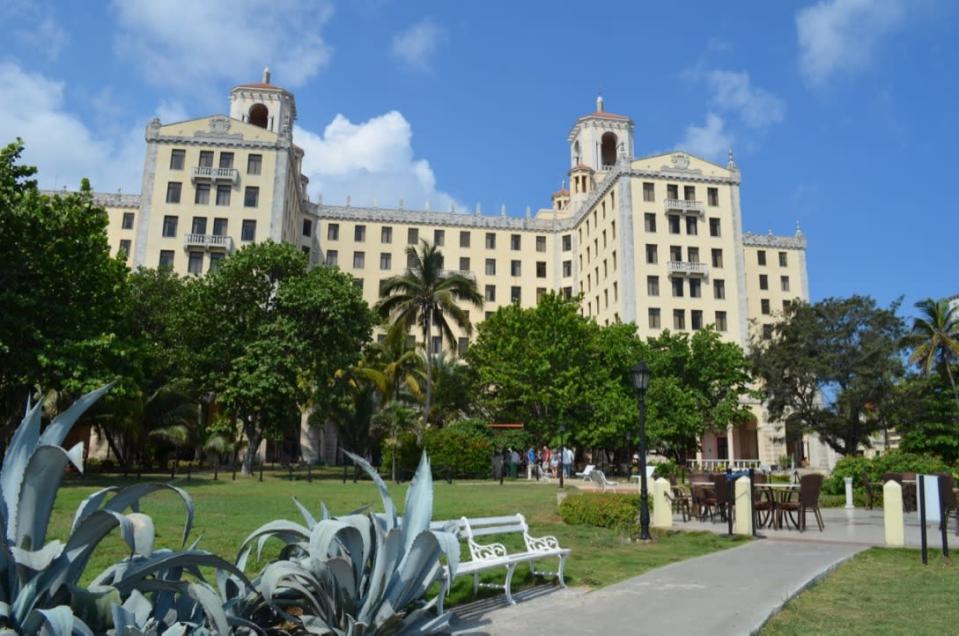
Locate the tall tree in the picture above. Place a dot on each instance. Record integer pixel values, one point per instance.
(427, 295)
(829, 368)
(934, 339)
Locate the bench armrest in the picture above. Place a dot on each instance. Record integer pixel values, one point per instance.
(481, 552)
(541, 544)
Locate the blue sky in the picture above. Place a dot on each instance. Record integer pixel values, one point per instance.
(842, 113)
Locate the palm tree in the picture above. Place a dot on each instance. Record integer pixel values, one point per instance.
(935, 338)
(426, 295)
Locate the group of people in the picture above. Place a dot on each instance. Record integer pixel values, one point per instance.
(545, 462)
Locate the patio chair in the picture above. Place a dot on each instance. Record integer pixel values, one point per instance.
(586, 471)
(599, 478)
(809, 489)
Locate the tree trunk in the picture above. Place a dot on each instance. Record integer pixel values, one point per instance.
(254, 438)
(427, 337)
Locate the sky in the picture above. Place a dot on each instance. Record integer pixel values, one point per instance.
(842, 113)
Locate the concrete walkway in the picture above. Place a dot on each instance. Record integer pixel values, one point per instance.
(730, 592)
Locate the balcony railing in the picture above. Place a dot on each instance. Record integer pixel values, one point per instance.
(209, 241)
(215, 174)
(685, 207)
(690, 268)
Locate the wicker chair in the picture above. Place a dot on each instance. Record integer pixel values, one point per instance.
(809, 489)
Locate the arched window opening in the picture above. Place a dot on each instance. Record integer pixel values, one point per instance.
(608, 149)
(259, 115)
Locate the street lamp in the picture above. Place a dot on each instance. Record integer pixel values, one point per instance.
(641, 375)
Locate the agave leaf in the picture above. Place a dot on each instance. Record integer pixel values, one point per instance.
(310, 521)
(418, 508)
(91, 504)
(38, 492)
(388, 507)
(37, 560)
(15, 461)
(130, 497)
(58, 429)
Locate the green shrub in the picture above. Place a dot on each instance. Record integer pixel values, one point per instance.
(605, 510)
(460, 451)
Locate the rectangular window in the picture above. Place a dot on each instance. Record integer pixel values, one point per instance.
(714, 227)
(719, 289)
(689, 193)
(206, 158)
(721, 321)
(712, 196)
(412, 236)
(540, 243)
(359, 260)
(254, 164)
(223, 195)
(567, 242)
(127, 221)
(515, 294)
(675, 253)
(439, 237)
(166, 259)
(464, 238)
(567, 268)
(489, 293)
(696, 319)
(226, 160)
(464, 264)
(692, 226)
(763, 281)
(331, 257)
(462, 344)
(673, 224)
(219, 227)
(677, 284)
(540, 269)
(124, 247)
(717, 258)
(248, 230)
(651, 256)
(515, 268)
(784, 283)
(649, 220)
(491, 267)
(764, 306)
(654, 321)
(649, 192)
(333, 231)
(679, 319)
(386, 234)
(767, 332)
(515, 242)
(173, 192)
(251, 197)
(307, 227)
(359, 233)
(386, 261)
(177, 159)
(695, 288)
(199, 225)
(202, 194)
(761, 257)
(169, 226)
(490, 241)
(652, 285)
(783, 259)
(194, 264)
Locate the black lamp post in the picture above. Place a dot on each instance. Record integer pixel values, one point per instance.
(641, 375)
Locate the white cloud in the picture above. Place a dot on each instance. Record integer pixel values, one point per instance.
(841, 36)
(417, 45)
(185, 45)
(733, 92)
(710, 141)
(369, 161)
(58, 142)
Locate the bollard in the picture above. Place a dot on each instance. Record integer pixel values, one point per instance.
(662, 504)
(892, 514)
(849, 502)
(743, 504)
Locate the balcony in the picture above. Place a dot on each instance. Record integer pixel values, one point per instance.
(688, 268)
(682, 206)
(209, 242)
(209, 173)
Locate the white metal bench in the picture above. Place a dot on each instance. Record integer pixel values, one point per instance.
(599, 478)
(492, 556)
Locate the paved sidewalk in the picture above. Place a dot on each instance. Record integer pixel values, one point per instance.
(730, 592)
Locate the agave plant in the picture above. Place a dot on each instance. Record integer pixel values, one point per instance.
(39, 580)
(357, 574)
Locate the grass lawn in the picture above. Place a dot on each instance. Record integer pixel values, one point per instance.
(879, 591)
(227, 511)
